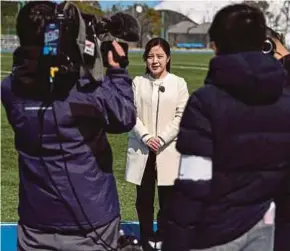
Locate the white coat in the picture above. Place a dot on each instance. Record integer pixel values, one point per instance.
(159, 112)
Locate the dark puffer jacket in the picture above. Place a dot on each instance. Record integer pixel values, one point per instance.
(63, 152)
(240, 119)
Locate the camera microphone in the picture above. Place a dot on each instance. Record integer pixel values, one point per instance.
(161, 88)
(124, 26)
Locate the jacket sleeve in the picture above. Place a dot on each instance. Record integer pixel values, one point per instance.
(171, 130)
(5, 95)
(139, 129)
(193, 185)
(282, 218)
(115, 101)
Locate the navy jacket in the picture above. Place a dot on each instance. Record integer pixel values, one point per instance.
(64, 156)
(241, 120)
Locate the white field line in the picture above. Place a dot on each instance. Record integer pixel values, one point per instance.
(6, 72)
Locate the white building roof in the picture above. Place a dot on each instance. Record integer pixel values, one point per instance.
(197, 10)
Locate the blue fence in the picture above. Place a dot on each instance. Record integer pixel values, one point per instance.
(10, 42)
(9, 233)
(191, 45)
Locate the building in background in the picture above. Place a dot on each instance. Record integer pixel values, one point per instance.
(189, 35)
(183, 23)
(277, 13)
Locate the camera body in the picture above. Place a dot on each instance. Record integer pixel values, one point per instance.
(75, 41)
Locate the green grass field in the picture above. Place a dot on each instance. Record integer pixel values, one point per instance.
(192, 67)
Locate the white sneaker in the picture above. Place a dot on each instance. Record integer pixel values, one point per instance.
(158, 245)
(152, 244)
(155, 245)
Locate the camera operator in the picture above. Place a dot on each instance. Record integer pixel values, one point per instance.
(67, 196)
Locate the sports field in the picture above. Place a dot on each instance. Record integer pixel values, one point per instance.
(191, 66)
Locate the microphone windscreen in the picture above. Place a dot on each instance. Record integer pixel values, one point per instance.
(125, 26)
(162, 88)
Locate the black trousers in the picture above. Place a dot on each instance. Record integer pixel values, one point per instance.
(145, 202)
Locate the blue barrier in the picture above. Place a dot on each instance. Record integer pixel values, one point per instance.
(9, 233)
(8, 237)
(191, 45)
(173, 50)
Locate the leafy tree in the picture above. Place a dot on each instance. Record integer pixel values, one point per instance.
(155, 20)
(8, 8)
(9, 11)
(149, 20)
(89, 7)
(116, 8)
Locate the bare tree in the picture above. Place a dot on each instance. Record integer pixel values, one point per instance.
(273, 20)
(261, 5)
(285, 12)
(279, 21)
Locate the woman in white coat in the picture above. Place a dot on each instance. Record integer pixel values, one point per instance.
(160, 98)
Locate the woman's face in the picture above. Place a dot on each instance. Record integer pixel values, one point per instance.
(156, 61)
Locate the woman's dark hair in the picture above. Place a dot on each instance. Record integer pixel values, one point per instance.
(31, 21)
(238, 28)
(158, 41)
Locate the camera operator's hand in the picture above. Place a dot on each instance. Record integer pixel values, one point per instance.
(119, 50)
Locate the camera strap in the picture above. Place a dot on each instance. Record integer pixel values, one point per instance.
(89, 47)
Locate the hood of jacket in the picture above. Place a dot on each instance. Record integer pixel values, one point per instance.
(252, 77)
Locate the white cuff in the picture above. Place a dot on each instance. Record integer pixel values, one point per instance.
(162, 142)
(145, 138)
